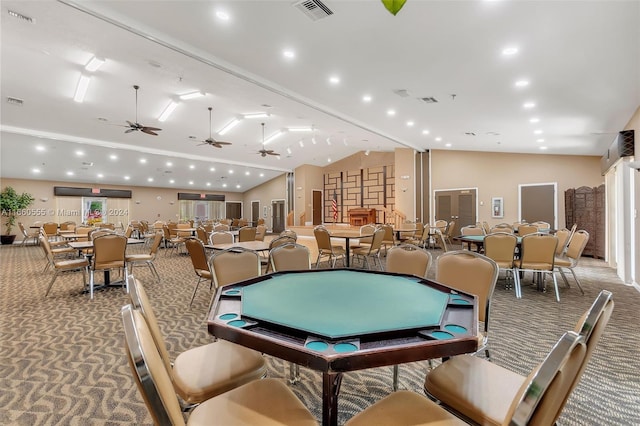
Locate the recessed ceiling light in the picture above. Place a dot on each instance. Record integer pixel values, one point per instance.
(543, 148)
(529, 105)
(261, 174)
(391, 112)
(208, 183)
(288, 53)
(212, 169)
(329, 141)
(329, 160)
(143, 161)
(231, 171)
(150, 179)
(70, 173)
(35, 170)
(190, 182)
(191, 166)
(169, 164)
(539, 140)
(366, 98)
(40, 148)
(511, 50)
(172, 181)
(410, 123)
(334, 79)
(538, 132)
(438, 139)
(192, 95)
(425, 132)
(247, 173)
(288, 150)
(301, 143)
(223, 16)
(80, 153)
(224, 185)
(113, 157)
(522, 83)
(238, 186)
(127, 178)
(100, 175)
(448, 145)
(534, 120)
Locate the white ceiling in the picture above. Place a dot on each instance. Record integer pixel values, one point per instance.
(581, 58)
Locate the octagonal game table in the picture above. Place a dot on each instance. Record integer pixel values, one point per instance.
(341, 320)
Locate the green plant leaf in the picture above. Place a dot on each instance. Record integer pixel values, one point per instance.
(394, 6)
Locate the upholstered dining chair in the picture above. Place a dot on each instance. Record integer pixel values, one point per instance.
(233, 265)
(472, 273)
(472, 230)
(389, 239)
(63, 265)
(246, 233)
(526, 229)
(147, 258)
(537, 255)
(460, 384)
(51, 228)
(407, 259)
(267, 402)
(501, 247)
(563, 240)
(325, 248)
(198, 256)
(277, 242)
(221, 237)
(371, 251)
(202, 235)
(28, 236)
(365, 241)
(572, 256)
(440, 240)
(108, 254)
(422, 238)
(202, 372)
(261, 231)
(290, 233)
(290, 256)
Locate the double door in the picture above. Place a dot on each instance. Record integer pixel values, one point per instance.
(458, 205)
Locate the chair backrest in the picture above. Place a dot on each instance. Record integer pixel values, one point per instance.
(451, 228)
(507, 229)
(472, 273)
(578, 243)
(486, 228)
(172, 226)
(180, 233)
(290, 233)
(290, 257)
(501, 247)
(157, 239)
(408, 259)
(202, 235)
(51, 228)
(280, 241)
(197, 254)
(247, 233)
(233, 265)
(22, 230)
(150, 374)
(377, 240)
(109, 251)
(538, 251)
(546, 389)
(221, 227)
(323, 238)
(440, 224)
(44, 243)
(440, 240)
(367, 230)
(541, 225)
(563, 239)
(526, 229)
(389, 237)
(140, 301)
(261, 231)
(221, 237)
(128, 231)
(471, 230)
(419, 229)
(98, 233)
(68, 225)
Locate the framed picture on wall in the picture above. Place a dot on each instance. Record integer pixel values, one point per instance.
(497, 207)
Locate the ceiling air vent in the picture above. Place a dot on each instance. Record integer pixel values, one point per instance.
(403, 93)
(14, 101)
(469, 133)
(20, 16)
(429, 100)
(314, 9)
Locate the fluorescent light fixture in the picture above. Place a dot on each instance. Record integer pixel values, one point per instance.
(301, 143)
(366, 98)
(238, 186)
(543, 148)
(190, 182)
(230, 125)
(300, 129)
(391, 112)
(539, 140)
(289, 151)
(167, 111)
(223, 16)
(40, 148)
(534, 120)
(172, 181)
(261, 174)
(257, 115)
(410, 123)
(438, 139)
(247, 173)
(511, 50)
(425, 132)
(537, 132)
(289, 54)
(143, 161)
(79, 153)
(230, 171)
(169, 164)
(94, 64)
(334, 79)
(35, 170)
(448, 145)
(313, 140)
(274, 136)
(212, 169)
(529, 105)
(522, 83)
(192, 95)
(81, 89)
(224, 185)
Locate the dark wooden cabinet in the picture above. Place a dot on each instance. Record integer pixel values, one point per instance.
(585, 206)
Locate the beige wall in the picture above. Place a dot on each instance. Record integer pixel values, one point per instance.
(147, 203)
(306, 179)
(634, 123)
(405, 182)
(275, 189)
(499, 174)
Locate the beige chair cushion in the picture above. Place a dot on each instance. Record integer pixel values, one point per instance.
(404, 408)
(138, 257)
(71, 263)
(261, 402)
(206, 371)
(458, 381)
(562, 262)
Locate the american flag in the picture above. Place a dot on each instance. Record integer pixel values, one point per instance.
(334, 206)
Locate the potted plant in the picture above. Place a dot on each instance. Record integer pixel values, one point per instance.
(10, 203)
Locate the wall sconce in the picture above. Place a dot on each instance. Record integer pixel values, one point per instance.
(44, 199)
(172, 202)
(137, 201)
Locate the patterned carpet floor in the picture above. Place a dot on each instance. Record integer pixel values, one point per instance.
(62, 360)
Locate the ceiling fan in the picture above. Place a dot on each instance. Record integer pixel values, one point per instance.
(135, 126)
(264, 152)
(211, 141)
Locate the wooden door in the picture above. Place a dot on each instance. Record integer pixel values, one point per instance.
(458, 205)
(255, 212)
(277, 208)
(538, 203)
(233, 210)
(316, 209)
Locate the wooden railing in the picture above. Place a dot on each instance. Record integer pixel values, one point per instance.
(303, 218)
(290, 218)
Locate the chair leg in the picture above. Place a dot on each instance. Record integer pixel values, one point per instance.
(294, 373)
(577, 280)
(91, 285)
(394, 386)
(153, 271)
(516, 283)
(51, 283)
(564, 278)
(555, 285)
(194, 291)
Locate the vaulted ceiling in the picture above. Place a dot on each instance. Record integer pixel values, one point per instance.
(553, 77)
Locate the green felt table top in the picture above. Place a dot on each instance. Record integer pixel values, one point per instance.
(338, 304)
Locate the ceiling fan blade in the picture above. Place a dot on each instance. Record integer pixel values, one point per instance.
(131, 124)
(148, 131)
(133, 129)
(155, 129)
(223, 143)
